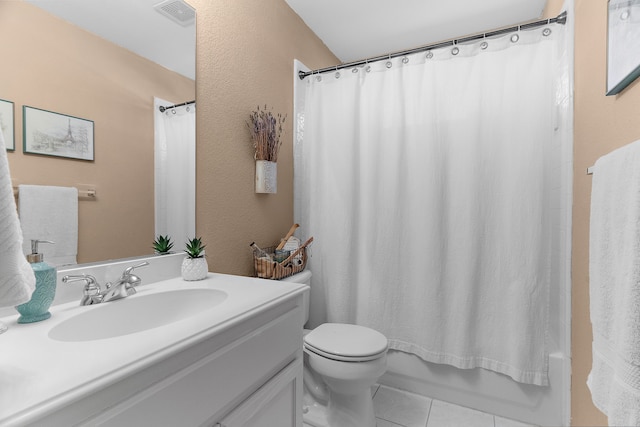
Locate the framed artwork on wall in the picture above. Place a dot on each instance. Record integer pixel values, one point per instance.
(7, 124)
(55, 134)
(623, 44)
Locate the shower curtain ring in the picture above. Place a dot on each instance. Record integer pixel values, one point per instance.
(484, 43)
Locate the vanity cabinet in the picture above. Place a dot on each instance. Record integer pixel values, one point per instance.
(249, 374)
(275, 404)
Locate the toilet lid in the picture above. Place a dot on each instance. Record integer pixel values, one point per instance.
(346, 341)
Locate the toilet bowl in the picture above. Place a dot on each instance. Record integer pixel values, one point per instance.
(341, 363)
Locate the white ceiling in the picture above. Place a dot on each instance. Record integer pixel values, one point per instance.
(351, 29)
(134, 25)
(359, 29)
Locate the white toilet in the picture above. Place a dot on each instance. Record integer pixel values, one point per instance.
(341, 363)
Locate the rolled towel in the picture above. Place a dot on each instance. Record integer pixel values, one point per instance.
(17, 280)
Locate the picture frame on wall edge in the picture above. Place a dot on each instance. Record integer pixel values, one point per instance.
(55, 134)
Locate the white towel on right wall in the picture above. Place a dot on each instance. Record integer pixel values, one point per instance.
(614, 275)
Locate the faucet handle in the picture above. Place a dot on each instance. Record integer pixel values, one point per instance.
(89, 279)
(128, 270)
(91, 291)
(132, 280)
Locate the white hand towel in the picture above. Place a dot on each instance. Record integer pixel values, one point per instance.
(50, 213)
(614, 274)
(17, 280)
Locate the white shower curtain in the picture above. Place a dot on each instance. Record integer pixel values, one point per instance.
(175, 172)
(430, 184)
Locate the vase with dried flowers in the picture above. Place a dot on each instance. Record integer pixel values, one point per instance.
(266, 135)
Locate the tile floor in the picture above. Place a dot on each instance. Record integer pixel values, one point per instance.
(397, 408)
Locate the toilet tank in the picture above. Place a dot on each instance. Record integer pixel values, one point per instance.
(303, 277)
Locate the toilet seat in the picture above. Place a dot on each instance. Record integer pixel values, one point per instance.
(346, 343)
(339, 358)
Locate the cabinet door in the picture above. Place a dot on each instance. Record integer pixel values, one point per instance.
(277, 403)
(205, 390)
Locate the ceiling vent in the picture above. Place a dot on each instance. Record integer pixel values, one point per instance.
(178, 11)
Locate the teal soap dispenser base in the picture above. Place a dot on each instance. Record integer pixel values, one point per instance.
(33, 319)
(37, 308)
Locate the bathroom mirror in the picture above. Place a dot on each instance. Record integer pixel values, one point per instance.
(58, 65)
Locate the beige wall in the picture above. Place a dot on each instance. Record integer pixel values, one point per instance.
(602, 123)
(50, 64)
(244, 59)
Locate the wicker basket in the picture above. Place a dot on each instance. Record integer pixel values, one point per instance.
(266, 268)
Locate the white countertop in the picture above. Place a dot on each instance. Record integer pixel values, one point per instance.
(38, 374)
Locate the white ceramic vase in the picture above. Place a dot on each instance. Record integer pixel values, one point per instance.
(194, 268)
(266, 176)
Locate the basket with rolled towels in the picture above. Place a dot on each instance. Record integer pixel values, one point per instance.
(284, 260)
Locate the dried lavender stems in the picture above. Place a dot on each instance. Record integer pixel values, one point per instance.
(266, 131)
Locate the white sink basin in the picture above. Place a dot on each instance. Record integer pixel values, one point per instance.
(135, 314)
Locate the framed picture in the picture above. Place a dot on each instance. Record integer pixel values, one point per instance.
(7, 124)
(55, 134)
(623, 44)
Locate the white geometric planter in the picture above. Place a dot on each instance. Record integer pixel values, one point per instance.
(194, 268)
(266, 176)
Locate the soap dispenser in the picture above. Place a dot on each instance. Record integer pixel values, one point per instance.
(37, 308)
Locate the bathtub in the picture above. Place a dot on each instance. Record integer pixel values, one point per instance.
(485, 390)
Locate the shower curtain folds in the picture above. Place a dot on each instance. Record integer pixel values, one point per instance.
(429, 183)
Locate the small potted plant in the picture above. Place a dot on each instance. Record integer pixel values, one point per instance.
(194, 266)
(162, 244)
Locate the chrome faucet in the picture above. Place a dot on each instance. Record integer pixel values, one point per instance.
(121, 288)
(124, 286)
(92, 294)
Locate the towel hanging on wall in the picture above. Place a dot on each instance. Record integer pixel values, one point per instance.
(614, 274)
(50, 213)
(17, 280)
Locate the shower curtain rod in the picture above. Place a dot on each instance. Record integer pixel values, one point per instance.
(560, 19)
(163, 109)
